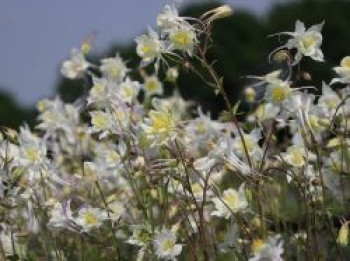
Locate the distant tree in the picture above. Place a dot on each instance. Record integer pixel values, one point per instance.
(12, 115)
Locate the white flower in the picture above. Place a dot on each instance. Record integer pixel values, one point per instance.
(277, 92)
(89, 218)
(149, 47)
(295, 156)
(161, 126)
(183, 39)
(232, 201)
(98, 95)
(32, 150)
(114, 69)
(152, 85)
(129, 90)
(343, 71)
(165, 245)
(76, 66)
(307, 42)
(60, 216)
(328, 101)
(248, 143)
(102, 122)
(168, 18)
(141, 236)
(117, 210)
(270, 250)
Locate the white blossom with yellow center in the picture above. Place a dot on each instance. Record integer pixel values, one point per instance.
(149, 47)
(295, 156)
(165, 245)
(114, 69)
(152, 85)
(89, 218)
(232, 201)
(306, 42)
(183, 39)
(277, 92)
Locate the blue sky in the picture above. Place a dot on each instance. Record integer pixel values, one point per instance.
(37, 35)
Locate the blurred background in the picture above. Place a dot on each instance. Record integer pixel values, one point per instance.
(36, 36)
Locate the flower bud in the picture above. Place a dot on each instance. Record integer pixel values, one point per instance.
(85, 48)
(172, 74)
(250, 94)
(306, 76)
(218, 13)
(281, 56)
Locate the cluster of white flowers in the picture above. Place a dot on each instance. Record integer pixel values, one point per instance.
(134, 175)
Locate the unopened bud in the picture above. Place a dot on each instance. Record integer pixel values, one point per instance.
(250, 94)
(172, 74)
(85, 48)
(306, 76)
(41, 105)
(281, 56)
(218, 13)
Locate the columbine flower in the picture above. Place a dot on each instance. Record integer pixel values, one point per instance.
(76, 66)
(343, 71)
(232, 201)
(165, 245)
(149, 47)
(152, 85)
(328, 101)
(168, 18)
(141, 235)
(114, 69)
(117, 210)
(183, 39)
(295, 156)
(162, 125)
(101, 123)
(271, 249)
(32, 151)
(307, 42)
(128, 90)
(249, 144)
(61, 216)
(99, 92)
(89, 218)
(277, 92)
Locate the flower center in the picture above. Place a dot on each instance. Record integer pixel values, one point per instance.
(308, 41)
(168, 245)
(90, 218)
